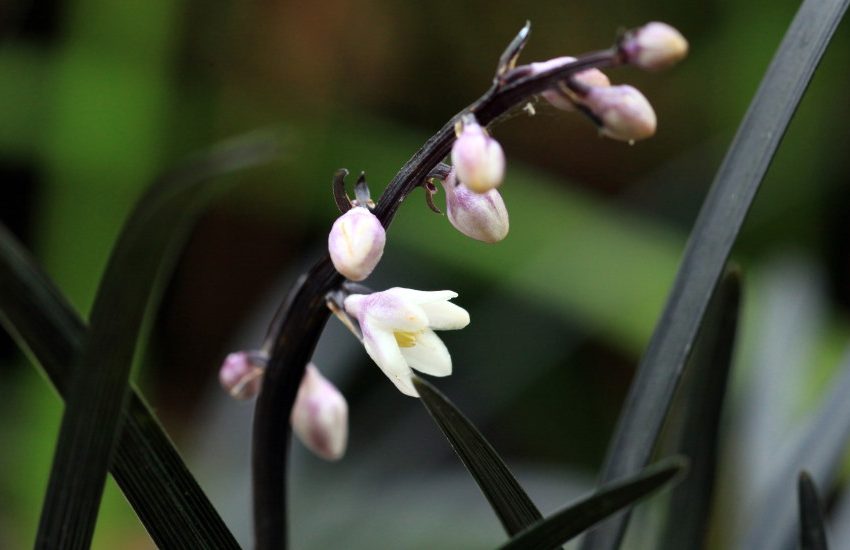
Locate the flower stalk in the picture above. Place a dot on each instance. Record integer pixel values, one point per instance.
(298, 325)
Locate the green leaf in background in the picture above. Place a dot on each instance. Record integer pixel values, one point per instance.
(819, 450)
(812, 532)
(708, 249)
(515, 509)
(147, 467)
(705, 391)
(576, 518)
(98, 387)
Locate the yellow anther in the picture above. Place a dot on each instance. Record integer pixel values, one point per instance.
(405, 339)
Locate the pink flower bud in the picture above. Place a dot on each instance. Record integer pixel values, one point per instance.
(478, 158)
(482, 216)
(654, 47)
(625, 113)
(320, 416)
(356, 243)
(559, 98)
(241, 374)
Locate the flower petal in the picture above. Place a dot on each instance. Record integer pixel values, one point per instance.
(421, 296)
(382, 347)
(429, 355)
(445, 316)
(395, 313)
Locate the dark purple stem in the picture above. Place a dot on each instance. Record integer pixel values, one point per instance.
(298, 325)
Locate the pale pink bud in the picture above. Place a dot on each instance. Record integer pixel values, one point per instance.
(478, 158)
(625, 113)
(482, 216)
(320, 416)
(241, 374)
(654, 47)
(560, 98)
(356, 243)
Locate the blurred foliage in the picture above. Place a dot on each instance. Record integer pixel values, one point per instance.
(96, 97)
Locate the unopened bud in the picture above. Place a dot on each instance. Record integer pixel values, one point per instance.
(241, 374)
(654, 47)
(560, 98)
(624, 112)
(482, 216)
(320, 416)
(356, 243)
(478, 158)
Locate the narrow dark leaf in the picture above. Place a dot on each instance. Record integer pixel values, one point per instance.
(98, 388)
(812, 531)
(146, 466)
(573, 520)
(515, 509)
(819, 450)
(710, 244)
(708, 372)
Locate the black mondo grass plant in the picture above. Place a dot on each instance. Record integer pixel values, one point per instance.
(668, 432)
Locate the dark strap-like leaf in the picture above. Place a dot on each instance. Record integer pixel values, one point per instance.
(573, 520)
(98, 387)
(515, 509)
(146, 466)
(710, 244)
(705, 389)
(812, 531)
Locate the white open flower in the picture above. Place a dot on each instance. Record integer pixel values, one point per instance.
(398, 331)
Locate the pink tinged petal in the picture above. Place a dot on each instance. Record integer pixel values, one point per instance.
(429, 355)
(320, 416)
(393, 312)
(356, 243)
(483, 217)
(383, 348)
(445, 316)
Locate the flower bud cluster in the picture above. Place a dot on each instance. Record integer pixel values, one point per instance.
(622, 112)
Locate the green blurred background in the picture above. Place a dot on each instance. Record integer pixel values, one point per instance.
(97, 97)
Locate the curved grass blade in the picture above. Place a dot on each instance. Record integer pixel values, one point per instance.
(819, 451)
(812, 531)
(573, 520)
(689, 509)
(98, 388)
(512, 505)
(710, 244)
(146, 466)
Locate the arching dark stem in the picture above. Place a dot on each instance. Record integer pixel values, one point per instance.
(299, 323)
